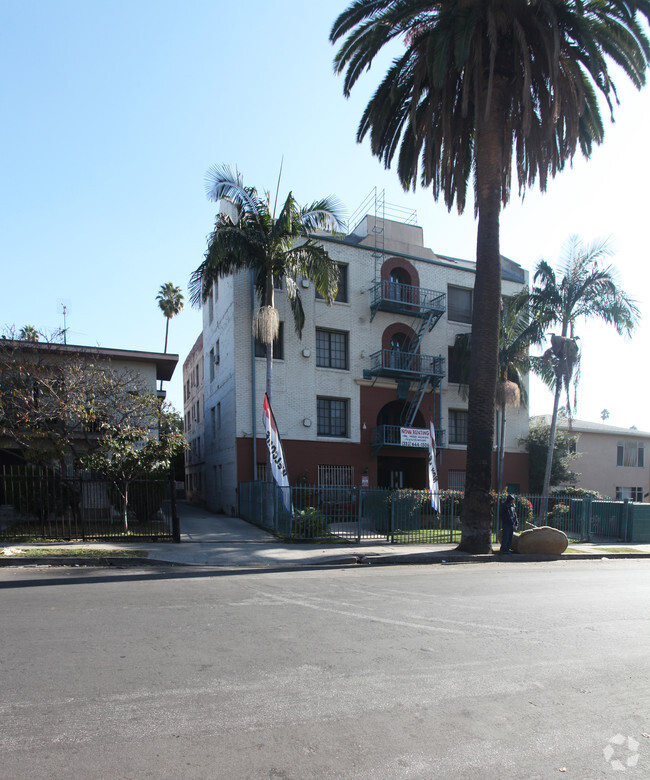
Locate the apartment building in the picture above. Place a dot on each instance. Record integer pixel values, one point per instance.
(611, 460)
(353, 397)
(194, 423)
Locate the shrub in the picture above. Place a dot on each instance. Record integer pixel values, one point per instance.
(310, 523)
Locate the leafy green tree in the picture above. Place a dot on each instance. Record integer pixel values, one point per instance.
(53, 404)
(587, 289)
(478, 83)
(275, 249)
(143, 447)
(537, 444)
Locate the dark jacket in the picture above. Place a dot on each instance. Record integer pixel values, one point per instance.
(509, 514)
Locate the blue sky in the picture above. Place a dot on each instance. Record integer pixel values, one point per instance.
(113, 112)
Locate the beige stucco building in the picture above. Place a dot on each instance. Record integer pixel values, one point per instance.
(610, 460)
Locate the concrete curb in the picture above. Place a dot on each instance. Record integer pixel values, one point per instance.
(408, 559)
(65, 560)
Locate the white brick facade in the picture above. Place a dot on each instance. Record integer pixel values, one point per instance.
(231, 417)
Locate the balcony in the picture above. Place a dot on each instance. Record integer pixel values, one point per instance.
(393, 364)
(398, 436)
(408, 300)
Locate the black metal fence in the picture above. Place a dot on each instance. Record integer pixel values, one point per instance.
(407, 516)
(44, 504)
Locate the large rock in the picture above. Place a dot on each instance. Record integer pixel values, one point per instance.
(542, 541)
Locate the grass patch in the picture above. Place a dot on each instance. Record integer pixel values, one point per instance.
(75, 552)
(618, 549)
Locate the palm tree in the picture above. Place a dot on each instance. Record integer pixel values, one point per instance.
(28, 333)
(517, 332)
(587, 290)
(170, 300)
(274, 249)
(477, 81)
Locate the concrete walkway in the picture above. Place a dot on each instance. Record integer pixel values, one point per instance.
(209, 539)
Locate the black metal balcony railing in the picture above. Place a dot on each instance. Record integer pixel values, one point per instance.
(391, 436)
(407, 299)
(405, 365)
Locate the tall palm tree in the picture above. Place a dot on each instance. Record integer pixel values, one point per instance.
(170, 301)
(478, 82)
(586, 290)
(276, 249)
(517, 332)
(28, 333)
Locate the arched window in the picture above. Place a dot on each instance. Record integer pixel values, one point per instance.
(398, 285)
(398, 345)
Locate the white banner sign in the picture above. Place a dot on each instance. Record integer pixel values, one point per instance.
(278, 463)
(414, 437)
(433, 471)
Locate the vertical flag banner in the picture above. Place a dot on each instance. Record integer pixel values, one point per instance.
(433, 471)
(278, 463)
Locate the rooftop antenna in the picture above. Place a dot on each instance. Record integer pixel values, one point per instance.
(65, 329)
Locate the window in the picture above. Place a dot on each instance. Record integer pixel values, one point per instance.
(198, 415)
(332, 414)
(342, 293)
(338, 476)
(219, 415)
(630, 453)
(459, 304)
(456, 479)
(331, 349)
(455, 366)
(278, 346)
(212, 365)
(196, 371)
(217, 353)
(213, 419)
(457, 426)
(210, 309)
(631, 493)
(215, 290)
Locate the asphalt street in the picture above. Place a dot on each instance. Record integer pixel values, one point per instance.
(512, 670)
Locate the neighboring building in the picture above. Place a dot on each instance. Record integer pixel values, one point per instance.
(194, 422)
(364, 381)
(611, 460)
(39, 364)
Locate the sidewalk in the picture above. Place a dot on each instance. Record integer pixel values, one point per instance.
(209, 539)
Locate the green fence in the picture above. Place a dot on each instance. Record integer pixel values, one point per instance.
(339, 513)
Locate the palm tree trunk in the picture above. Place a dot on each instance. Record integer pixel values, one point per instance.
(166, 334)
(549, 455)
(502, 448)
(551, 437)
(476, 516)
(165, 350)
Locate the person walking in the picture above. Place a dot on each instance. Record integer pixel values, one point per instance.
(508, 524)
